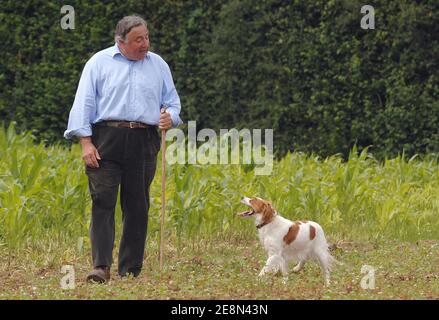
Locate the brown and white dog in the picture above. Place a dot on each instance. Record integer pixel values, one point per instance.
(285, 240)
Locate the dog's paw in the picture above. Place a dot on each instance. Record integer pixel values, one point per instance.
(297, 268)
(265, 270)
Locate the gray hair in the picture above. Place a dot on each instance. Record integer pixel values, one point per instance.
(125, 25)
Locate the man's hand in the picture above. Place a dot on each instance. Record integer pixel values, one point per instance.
(165, 120)
(90, 154)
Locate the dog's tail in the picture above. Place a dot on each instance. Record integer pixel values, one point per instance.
(332, 261)
(325, 256)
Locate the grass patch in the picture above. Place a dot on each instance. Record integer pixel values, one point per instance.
(389, 209)
(228, 270)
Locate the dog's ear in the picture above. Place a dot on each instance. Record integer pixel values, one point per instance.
(270, 206)
(267, 211)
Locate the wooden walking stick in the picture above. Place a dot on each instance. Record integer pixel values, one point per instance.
(162, 221)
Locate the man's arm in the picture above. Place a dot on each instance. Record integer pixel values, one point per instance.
(170, 98)
(90, 154)
(84, 106)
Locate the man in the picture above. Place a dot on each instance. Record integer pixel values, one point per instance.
(115, 115)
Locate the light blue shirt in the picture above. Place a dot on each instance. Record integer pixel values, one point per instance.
(113, 87)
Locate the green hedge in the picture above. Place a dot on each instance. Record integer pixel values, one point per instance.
(304, 68)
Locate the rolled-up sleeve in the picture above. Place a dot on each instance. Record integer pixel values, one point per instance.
(170, 96)
(84, 106)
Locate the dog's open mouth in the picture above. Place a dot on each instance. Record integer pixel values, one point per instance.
(247, 213)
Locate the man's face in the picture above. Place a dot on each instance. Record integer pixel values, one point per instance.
(136, 43)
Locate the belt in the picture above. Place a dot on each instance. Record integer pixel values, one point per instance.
(124, 124)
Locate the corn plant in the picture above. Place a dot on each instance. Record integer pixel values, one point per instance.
(44, 196)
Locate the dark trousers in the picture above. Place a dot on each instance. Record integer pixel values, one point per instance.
(128, 160)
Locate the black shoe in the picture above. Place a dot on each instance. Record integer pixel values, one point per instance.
(133, 272)
(99, 275)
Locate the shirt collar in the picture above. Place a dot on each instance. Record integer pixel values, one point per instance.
(115, 50)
